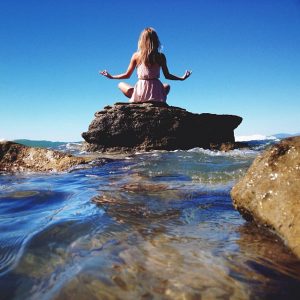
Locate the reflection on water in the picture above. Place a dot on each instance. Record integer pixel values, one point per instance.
(153, 226)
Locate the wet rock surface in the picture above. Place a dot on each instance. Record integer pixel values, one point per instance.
(15, 157)
(269, 193)
(158, 126)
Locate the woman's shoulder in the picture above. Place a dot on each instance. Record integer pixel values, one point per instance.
(161, 58)
(135, 58)
(135, 55)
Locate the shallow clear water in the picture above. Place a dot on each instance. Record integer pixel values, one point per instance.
(156, 225)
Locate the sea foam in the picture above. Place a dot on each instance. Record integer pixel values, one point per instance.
(254, 137)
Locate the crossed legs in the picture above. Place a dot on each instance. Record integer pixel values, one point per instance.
(127, 89)
(167, 88)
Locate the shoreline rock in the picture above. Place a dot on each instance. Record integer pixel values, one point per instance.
(15, 157)
(158, 126)
(269, 193)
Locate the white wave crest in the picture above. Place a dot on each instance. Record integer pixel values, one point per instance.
(254, 137)
(232, 153)
(74, 145)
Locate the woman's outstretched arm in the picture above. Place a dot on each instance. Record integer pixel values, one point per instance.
(170, 76)
(125, 75)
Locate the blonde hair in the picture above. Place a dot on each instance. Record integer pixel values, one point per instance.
(149, 47)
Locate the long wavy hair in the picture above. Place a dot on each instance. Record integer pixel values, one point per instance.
(149, 47)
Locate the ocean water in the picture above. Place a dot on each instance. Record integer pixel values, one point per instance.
(157, 225)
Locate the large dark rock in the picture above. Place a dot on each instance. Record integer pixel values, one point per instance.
(150, 125)
(269, 193)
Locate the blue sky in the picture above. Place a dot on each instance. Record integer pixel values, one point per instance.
(245, 58)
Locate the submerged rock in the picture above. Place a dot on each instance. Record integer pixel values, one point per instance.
(269, 193)
(153, 125)
(15, 157)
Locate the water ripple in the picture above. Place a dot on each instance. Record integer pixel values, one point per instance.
(158, 225)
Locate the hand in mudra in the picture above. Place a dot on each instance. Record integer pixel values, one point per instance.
(186, 75)
(106, 74)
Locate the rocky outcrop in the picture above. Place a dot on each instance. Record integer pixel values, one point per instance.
(152, 125)
(19, 158)
(269, 194)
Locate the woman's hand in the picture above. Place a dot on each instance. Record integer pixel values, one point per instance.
(186, 75)
(106, 74)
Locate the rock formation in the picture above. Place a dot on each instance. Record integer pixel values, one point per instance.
(18, 158)
(269, 194)
(152, 125)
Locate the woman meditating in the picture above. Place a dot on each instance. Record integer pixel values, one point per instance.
(148, 60)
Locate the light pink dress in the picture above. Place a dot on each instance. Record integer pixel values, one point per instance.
(148, 87)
